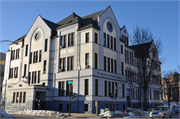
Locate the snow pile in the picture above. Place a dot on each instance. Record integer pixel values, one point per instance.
(112, 114)
(131, 116)
(55, 114)
(4, 114)
(139, 113)
(173, 106)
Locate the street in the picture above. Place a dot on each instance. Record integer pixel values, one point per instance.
(79, 115)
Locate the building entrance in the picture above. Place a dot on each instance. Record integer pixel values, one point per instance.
(40, 100)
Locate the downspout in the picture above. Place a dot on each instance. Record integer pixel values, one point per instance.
(78, 66)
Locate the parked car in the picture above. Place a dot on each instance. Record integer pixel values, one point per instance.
(161, 111)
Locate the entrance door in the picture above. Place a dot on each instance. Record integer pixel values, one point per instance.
(40, 100)
(128, 101)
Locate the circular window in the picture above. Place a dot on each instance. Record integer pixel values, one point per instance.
(37, 35)
(109, 26)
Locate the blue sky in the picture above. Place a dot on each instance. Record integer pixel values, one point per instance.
(161, 17)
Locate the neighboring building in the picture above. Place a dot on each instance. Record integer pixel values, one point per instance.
(85, 50)
(2, 66)
(173, 82)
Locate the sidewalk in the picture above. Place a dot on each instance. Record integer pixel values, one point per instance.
(81, 115)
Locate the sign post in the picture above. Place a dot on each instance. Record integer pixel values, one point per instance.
(70, 82)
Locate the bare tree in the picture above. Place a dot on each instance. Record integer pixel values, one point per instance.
(147, 49)
(171, 86)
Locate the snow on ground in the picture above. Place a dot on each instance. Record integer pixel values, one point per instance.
(4, 114)
(48, 113)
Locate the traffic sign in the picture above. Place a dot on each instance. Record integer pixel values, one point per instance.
(70, 82)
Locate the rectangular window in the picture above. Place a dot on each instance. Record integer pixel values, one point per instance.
(30, 58)
(44, 69)
(110, 107)
(25, 70)
(150, 93)
(96, 87)
(125, 56)
(39, 74)
(24, 97)
(26, 52)
(14, 98)
(60, 107)
(12, 54)
(40, 54)
(116, 106)
(29, 78)
(17, 53)
(109, 88)
(113, 88)
(33, 77)
(62, 64)
(70, 39)
(105, 88)
(85, 107)
(112, 65)
(63, 41)
(108, 64)
(96, 38)
(15, 72)
(20, 98)
(87, 60)
(108, 41)
(86, 86)
(122, 68)
(17, 97)
(123, 90)
(104, 63)
(87, 37)
(138, 94)
(122, 49)
(96, 61)
(111, 42)
(104, 39)
(46, 43)
(70, 65)
(115, 44)
(61, 88)
(115, 71)
(124, 107)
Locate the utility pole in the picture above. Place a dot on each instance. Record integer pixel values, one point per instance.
(70, 82)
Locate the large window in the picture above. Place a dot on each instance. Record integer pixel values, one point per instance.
(108, 41)
(123, 90)
(40, 54)
(115, 44)
(122, 49)
(12, 54)
(112, 65)
(46, 44)
(96, 87)
(104, 63)
(96, 61)
(108, 64)
(87, 37)
(87, 60)
(39, 74)
(44, 69)
(15, 72)
(86, 87)
(105, 88)
(122, 68)
(70, 63)
(115, 71)
(25, 70)
(111, 42)
(109, 88)
(62, 66)
(95, 37)
(104, 39)
(35, 57)
(61, 88)
(30, 58)
(70, 39)
(26, 51)
(63, 41)
(17, 53)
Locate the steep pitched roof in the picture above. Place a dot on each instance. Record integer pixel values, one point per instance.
(53, 27)
(141, 47)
